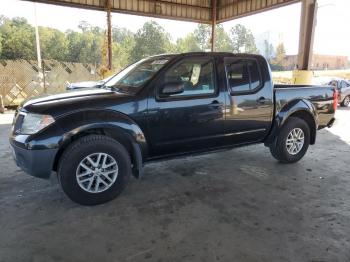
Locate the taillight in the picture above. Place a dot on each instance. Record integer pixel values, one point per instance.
(335, 99)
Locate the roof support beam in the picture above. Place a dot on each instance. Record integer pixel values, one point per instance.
(307, 31)
(109, 33)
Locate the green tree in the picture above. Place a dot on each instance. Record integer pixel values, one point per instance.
(18, 39)
(203, 35)
(84, 26)
(54, 44)
(268, 50)
(122, 52)
(243, 40)
(223, 42)
(119, 34)
(0, 45)
(278, 62)
(187, 44)
(85, 47)
(151, 39)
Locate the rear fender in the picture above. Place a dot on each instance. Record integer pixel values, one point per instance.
(299, 108)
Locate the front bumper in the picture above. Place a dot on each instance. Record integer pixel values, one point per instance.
(38, 163)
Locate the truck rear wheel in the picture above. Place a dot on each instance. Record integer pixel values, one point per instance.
(94, 169)
(292, 142)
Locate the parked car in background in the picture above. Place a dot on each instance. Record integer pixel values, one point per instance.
(163, 107)
(343, 87)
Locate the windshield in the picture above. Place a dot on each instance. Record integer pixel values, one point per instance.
(135, 75)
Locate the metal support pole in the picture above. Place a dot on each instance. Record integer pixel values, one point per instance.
(37, 38)
(303, 75)
(109, 34)
(213, 25)
(307, 31)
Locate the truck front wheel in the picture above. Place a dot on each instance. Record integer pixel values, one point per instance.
(292, 142)
(94, 169)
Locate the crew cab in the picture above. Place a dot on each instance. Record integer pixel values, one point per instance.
(162, 107)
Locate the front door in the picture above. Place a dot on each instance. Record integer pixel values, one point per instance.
(190, 120)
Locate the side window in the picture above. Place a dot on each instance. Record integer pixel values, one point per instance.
(243, 75)
(333, 83)
(255, 78)
(195, 74)
(343, 84)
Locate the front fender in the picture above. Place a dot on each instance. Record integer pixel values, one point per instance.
(293, 107)
(116, 122)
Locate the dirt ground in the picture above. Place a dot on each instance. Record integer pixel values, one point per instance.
(238, 205)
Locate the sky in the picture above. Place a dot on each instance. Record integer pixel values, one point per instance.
(332, 35)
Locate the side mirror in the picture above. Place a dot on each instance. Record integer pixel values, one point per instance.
(172, 88)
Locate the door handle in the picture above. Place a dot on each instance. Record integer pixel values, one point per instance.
(216, 103)
(261, 100)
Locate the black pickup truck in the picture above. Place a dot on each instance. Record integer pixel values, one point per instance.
(162, 107)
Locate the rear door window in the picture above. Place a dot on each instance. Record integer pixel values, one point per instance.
(243, 75)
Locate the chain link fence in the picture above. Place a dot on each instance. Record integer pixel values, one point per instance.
(22, 79)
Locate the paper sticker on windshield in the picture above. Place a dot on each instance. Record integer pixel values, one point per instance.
(159, 62)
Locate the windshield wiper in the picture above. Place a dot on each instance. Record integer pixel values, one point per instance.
(115, 89)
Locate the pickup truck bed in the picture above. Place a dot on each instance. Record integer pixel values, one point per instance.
(321, 98)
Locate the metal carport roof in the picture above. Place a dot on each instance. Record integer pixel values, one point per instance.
(188, 10)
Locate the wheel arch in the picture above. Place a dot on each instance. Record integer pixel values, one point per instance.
(300, 108)
(116, 125)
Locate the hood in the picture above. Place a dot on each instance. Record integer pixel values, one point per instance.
(61, 103)
(65, 95)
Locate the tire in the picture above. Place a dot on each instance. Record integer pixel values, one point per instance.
(108, 168)
(346, 102)
(283, 152)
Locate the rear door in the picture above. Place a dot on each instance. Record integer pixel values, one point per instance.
(192, 120)
(249, 108)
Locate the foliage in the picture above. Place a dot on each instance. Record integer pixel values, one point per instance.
(120, 34)
(54, 43)
(202, 35)
(122, 50)
(17, 39)
(85, 47)
(242, 40)
(279, 60)
(187, 44)
(268, 50)
(0, 45)
(223, 42)
(151, 39)
(88, 44)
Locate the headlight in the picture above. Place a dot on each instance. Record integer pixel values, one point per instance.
(33, 123)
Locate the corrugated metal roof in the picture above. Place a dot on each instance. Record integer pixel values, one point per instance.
(188, 10)
(231, 9)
